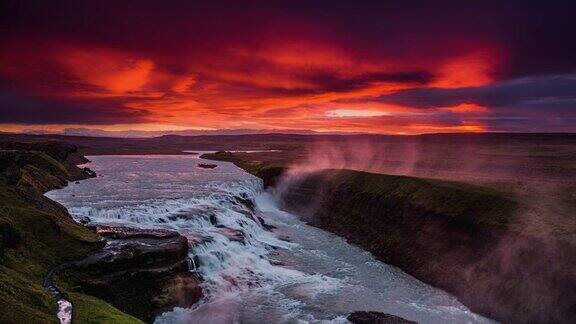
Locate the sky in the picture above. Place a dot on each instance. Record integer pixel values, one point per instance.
(393, 67)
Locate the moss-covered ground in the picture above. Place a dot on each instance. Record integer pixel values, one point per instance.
(37, 234)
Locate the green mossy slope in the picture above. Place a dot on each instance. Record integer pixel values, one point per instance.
(91, 310)
(456, 236)
(37, 234)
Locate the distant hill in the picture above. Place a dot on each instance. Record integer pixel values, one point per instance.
(188, 132)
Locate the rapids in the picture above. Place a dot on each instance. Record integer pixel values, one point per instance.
(293, 274)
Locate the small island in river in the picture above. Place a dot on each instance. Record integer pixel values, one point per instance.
(207, 166)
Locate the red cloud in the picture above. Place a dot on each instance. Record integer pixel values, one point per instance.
(288, 73)
(112, 71)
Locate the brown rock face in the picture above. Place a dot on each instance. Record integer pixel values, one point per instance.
(376, 318)
(123, 232)
(182, 290)
(140, 271)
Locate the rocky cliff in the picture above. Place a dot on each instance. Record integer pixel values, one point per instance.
(465, 239)
(455, 236)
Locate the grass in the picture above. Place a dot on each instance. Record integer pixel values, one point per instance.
(23, 299)
(459, 202)
(91, 310)
(36, 234)
(44, 240)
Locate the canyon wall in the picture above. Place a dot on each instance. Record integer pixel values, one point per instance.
(455, 236)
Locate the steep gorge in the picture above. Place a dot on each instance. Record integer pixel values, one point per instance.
(459, 237)
(455, 236)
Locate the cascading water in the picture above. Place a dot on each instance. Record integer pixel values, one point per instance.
(297, 273)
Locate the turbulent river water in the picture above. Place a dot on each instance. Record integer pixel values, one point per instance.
(294, 274)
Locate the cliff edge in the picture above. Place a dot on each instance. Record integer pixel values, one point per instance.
(459, 237)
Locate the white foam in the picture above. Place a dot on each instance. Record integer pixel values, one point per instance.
(323, 277)
(64, 312)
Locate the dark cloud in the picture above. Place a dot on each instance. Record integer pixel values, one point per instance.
(20, 109)
(332, 82)
(536, 36)
(328, 81)
(542, 124)
(550, 91)
(538, 104)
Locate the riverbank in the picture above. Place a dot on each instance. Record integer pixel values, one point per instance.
(38, 234)
(458, 237)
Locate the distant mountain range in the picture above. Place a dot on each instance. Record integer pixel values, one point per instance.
(191, 132)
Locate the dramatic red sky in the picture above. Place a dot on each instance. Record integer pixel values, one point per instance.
(399, 67)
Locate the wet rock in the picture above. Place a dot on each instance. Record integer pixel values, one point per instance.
(207, 165)
(284, 238)
(376, 318)
(267, 227)
(164, 255)
(195, 263)
(88, 173)
(195, 212)
(182, 290)
(124, 232)
(248, 203)
(232, 234)
(83, 220)
(181, 216)
(197, 239)
(138, 269)
(277, 263)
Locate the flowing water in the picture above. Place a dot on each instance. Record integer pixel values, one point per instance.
(294, 274)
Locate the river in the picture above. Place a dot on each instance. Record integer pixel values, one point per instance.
(294, 274)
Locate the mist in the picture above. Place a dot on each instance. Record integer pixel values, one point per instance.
(528, 263)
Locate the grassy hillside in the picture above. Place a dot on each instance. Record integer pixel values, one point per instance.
(458, 203)
(36, 234)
